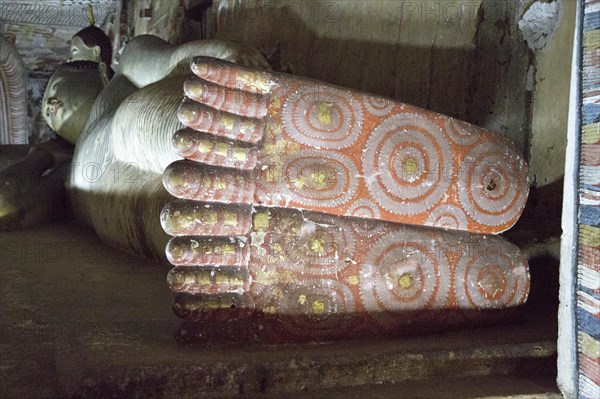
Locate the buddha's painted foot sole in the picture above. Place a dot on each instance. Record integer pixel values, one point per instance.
(290, 198)
(269, 139)
(311, 268)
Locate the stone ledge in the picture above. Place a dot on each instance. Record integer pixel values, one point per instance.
(80, 319)
(144, 362)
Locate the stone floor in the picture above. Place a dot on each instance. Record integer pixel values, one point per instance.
(80, 319)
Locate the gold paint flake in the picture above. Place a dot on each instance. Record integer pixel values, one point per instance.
(220, 183)
(273, 174)
(325, 113)
(184, 222)
(319, 180)
(266, 278)
(228, 249)
(210, 218)
(299, 182)
(317, 245)
(227, 121)
(270, 310)
(276, 104)
(254, 81)
(208, 249)
(302, 299)
(222, 149)
(177, 251)
(203, 278)
(240, 154)
(230, 219)
(406, 281)
(221, 279)
(205, 146)
(318, 307)
(261, 221)
(411, 166)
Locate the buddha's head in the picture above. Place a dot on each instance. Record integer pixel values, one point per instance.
(91, 44)
(69, 97)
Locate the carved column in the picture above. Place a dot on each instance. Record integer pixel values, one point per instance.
(13, 96)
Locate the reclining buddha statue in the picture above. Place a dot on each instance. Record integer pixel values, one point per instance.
(328, 211)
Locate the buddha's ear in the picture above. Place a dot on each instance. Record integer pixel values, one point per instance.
(96, 52)
(103, 69)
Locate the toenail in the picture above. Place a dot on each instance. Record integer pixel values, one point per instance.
(195, 88)
(187, 113)
(175, 178)
(184, 142)
(201, 68)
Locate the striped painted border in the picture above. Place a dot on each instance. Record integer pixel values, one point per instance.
(588, 242)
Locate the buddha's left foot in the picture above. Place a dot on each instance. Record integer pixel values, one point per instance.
(322, 273)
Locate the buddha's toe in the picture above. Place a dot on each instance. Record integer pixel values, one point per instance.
(232, 76)
(190, 218)
(194, 181)
(207, 251)
(208, 149)
(208, 280)
(223, 307)
(252, 105)
(220, 123)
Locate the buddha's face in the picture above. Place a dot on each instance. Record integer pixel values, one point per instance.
(79, 51)
(68, 100)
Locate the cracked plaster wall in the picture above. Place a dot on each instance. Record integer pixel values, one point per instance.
(551, 102)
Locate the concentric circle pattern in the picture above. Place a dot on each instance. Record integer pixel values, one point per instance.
(377, 106)
(364, 208)
(461, 133)
(492, 276)
(319, 179)
(365, 213)
(404, 272)
(323, 118)
(496, 184)
(366, 228)
(321, 246)
(312, 307)
(405, 162)
(447, 216)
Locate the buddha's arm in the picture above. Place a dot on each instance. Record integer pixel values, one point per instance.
(109, 100)
(115, 183)
(221, 49)
(148, 59)
(144, 123)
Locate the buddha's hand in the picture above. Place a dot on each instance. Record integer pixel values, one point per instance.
(314, 269)
(271, 139)
(242, 55)
(32, 191)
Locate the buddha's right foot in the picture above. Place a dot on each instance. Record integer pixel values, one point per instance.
(262, 138)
